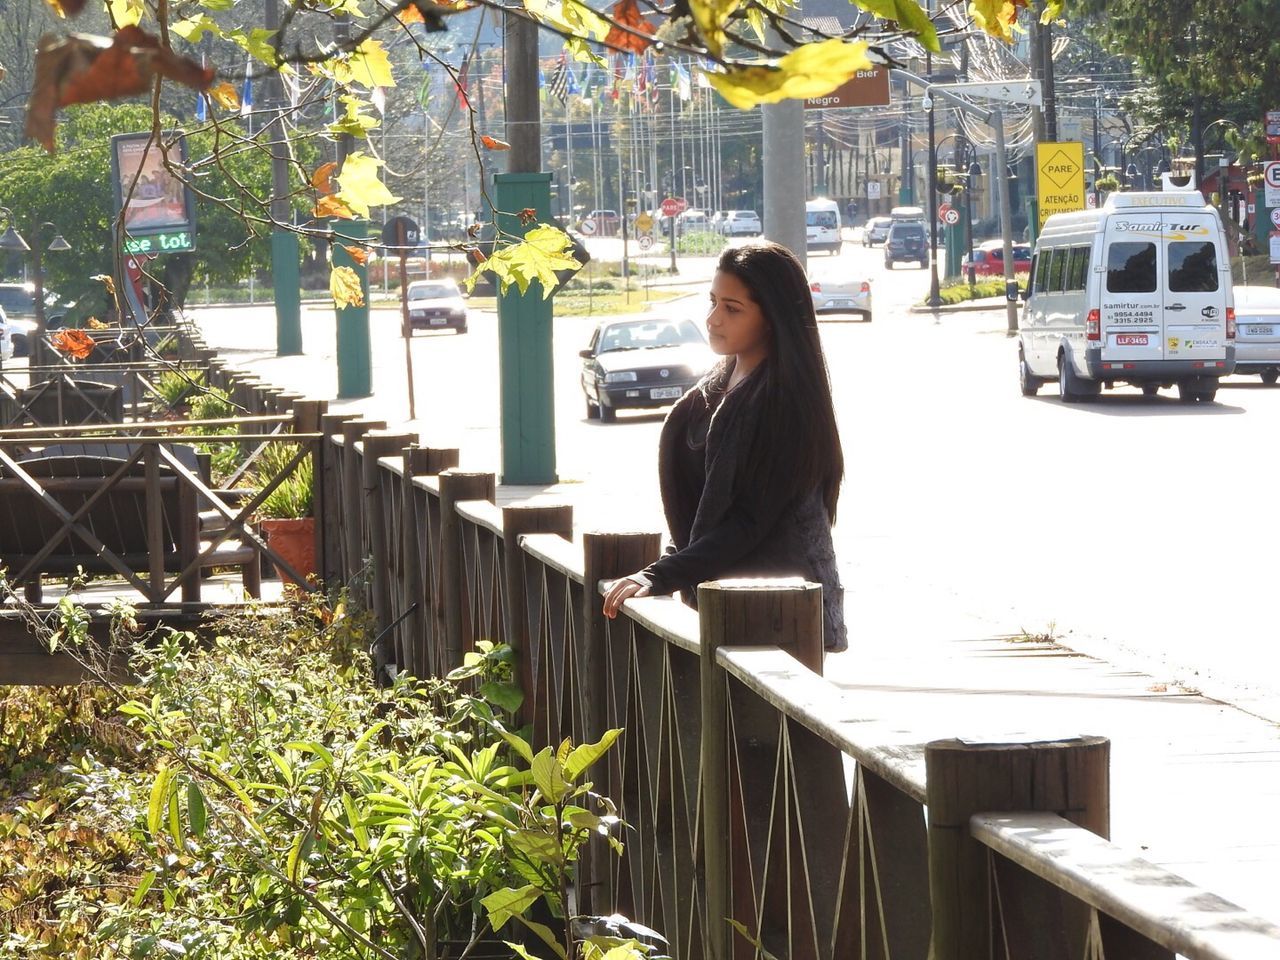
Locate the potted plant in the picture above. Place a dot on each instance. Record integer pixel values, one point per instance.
(285, 515)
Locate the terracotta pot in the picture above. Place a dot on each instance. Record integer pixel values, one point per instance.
(295, 541)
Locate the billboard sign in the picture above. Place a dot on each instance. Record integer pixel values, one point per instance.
(159, 209)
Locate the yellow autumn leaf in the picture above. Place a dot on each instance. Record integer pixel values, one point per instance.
(711, 17)
(224, 95)
(368, 66)
(812, 70)
(572, 17)
(361, 188)
(344, 284)
(126, 13)
(997, 17)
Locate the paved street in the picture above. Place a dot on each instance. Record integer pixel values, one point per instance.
(1128, 528)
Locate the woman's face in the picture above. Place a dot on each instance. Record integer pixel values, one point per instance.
(735, 323)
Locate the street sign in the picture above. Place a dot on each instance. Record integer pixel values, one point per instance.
(646, 242)
(391, 233)
(1271, 181)
(947, 214)
(673, 206)
(866, 88)
(873, 189)
(588, 227)
(1271, 124)
(644, 223)
(1275, 216)
(1275, 248)
(1026, 92)
(1059, 178)
(1091, 201)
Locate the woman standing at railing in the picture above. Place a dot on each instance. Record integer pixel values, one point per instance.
(749, 461)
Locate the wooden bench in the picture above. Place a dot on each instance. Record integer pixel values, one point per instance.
(130, 515)
(63, 401)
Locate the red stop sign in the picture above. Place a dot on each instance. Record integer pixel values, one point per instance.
(673, 206)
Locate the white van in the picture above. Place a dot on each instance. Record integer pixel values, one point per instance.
(1137, 292)
(822, 225)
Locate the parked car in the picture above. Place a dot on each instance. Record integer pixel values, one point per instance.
(741, 223)
(18, 307)
(606, 222)
(988, 259)
(717, 221)
(437, 305)
(692, 221)
(841, 295)
(876, 231)
(1258, 332)
(907, 240)
(641, 364)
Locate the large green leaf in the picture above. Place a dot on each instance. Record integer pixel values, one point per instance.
(502, 905)
(909, 15)
(542, 252)
(508, 696)
(585, 755)
(548, 776)
(811, 70)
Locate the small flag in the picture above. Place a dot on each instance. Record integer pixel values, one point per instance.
(704, 81)
(559, 86)
(378, 97)
(202, 109)
(682, 82)
(574, 88)
(246, 94)
(424, 91)
(461, 83)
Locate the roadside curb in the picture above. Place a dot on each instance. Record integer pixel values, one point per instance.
(964, 307)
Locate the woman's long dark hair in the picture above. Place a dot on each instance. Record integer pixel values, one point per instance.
(797, 440)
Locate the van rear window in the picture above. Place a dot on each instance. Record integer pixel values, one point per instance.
(1131, 267)
(1193, 267)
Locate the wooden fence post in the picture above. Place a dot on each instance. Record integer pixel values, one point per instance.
(329, 514)
(517, 521)
(352, 497)
(1069, 777)
(378, 443)
(782, 613)
(455, 487)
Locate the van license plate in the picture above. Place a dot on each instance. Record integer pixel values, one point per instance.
(666, 393)
(1254, 330)
(439, 321)
(1131, 339)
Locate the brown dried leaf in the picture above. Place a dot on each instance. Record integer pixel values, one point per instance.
(492, 143)
(627, 13)
(75, 343)
(322, 179)
(359, 254)
(331, 206)
(527, 216)
(107, 281)
(79, 68)
(67, 8)
(224, 95)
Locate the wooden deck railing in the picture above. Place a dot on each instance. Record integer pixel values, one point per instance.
(767, 813)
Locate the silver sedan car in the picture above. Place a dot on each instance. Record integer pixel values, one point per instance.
(1258, 332)
(841, 294)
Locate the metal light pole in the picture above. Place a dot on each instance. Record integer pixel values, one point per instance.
(13, 240)
(935, 295)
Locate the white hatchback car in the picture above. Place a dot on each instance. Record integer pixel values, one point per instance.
(841, 295)
(741, 223)
(1258, 332)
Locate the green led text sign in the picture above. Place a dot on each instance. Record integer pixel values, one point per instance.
(177, 242)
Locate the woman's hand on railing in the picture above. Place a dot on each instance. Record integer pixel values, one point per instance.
(619, 592)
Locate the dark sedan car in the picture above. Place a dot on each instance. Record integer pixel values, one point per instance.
(641, 364)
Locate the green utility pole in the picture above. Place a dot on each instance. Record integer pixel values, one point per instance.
(355, 362)
(524, 347)
(285, 252)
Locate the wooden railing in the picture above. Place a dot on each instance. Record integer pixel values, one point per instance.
(766, 813)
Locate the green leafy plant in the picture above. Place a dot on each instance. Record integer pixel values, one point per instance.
(292, 498)
(175, 386)
(700, 243)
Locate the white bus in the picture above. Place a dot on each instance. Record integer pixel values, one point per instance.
(822, 225)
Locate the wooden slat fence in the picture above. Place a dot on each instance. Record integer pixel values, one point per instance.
(754, 790)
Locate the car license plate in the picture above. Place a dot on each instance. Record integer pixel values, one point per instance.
(1131, 339)
(439, 321)
(666, 393)
(842, 303)
(1257, 330)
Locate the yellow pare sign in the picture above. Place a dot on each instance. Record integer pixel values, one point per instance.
(1059, 178)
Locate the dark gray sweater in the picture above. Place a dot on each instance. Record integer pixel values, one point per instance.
(724, 523)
